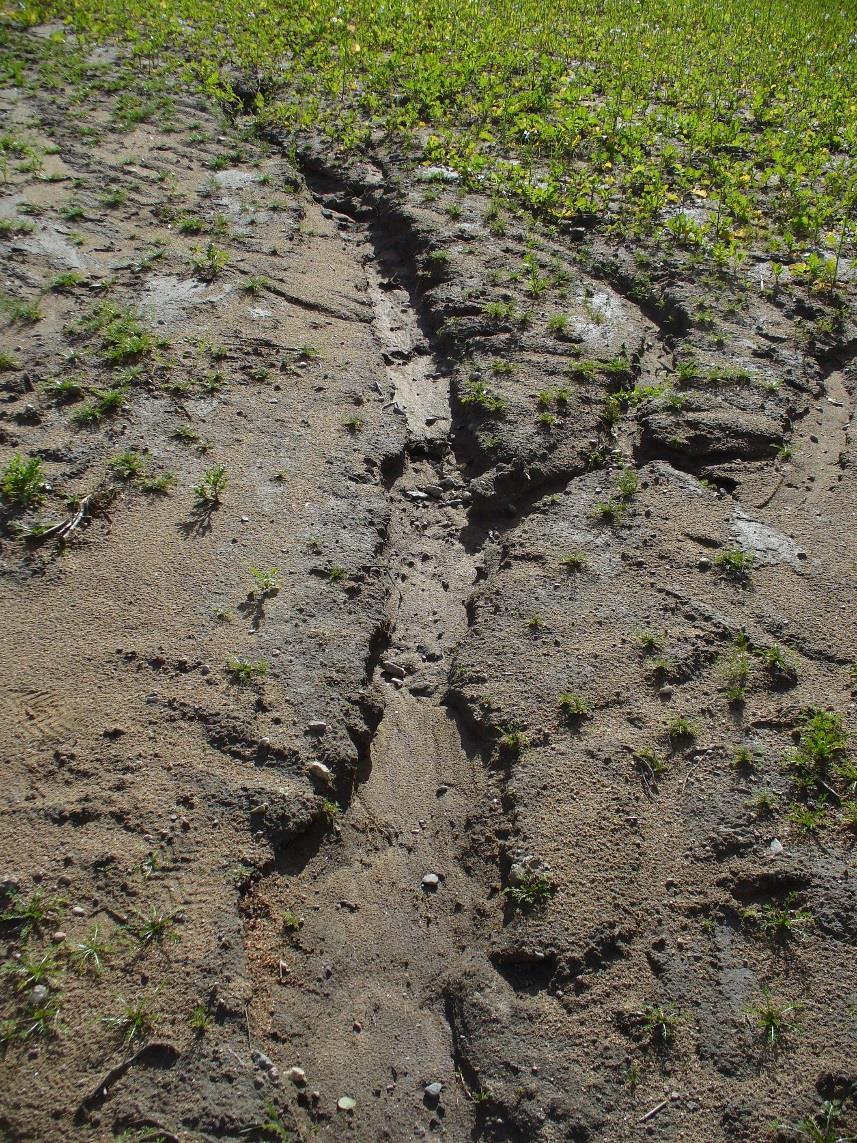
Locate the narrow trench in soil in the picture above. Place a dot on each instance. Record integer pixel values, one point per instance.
(366, 1003)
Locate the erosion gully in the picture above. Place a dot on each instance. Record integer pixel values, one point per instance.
(389, 908)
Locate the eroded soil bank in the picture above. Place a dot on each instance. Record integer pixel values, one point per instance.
(515, 787)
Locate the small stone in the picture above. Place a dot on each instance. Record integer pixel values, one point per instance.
(704, 564)
(321, 772)
(245, 519)
(297, 1076)
(316, 726)
(395, 669)
(346, 1103)
(78, 911)
(261, 1060)
(431, 881)
(357, 1026)
(39, 994)
(58, 936)
(776, 847)
(434, 1089)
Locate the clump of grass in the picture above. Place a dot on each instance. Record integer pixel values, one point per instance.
(659, 1023)
(200, 1019)
(772, 1020)
(134, 1021)
(31, 914)
(780, 922)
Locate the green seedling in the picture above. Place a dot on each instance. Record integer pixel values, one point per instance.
(212, 486)
(22, 481)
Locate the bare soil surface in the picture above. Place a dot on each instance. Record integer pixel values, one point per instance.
(473, 821)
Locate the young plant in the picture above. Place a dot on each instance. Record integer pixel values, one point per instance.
(782, 921)
(209, 261)
(22, 481)
(154, 928)
(734, 564)
(267, 582)
(659, 1024)
(244, 672)
(200, 1019)
(532, 891)
(573, 706)
(773, 1021)
(134, 1020)
(574, 562)
(127, 465)
(90, 954)
(292, 922)
(31, 914)
(212, 485)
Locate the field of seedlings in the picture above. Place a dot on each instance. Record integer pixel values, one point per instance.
(428, 501)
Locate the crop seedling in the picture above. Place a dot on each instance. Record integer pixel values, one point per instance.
(532, 891)
(209, 261)
(9, 363)
(330, 811)
(773, 1021)
(353, 423)
(39, 1019)
(734, 564)
(158, 485)
(512, 739)
(267, 582)
(681, 729)
(573, 706)
(22, 481)
(107, 403)
(134, 1021)
(127, 465)
(574, 562)
(476, 394)
(736, 675)
(292, 922)
(808, 818)
(821, 1127)
(244, 672)
(256, 284)
(212, 485)
(648, 642)
(336, 574)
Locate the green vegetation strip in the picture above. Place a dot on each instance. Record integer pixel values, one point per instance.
(724, 125)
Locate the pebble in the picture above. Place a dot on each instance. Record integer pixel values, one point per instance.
(320, 771)
(316, 726)
(431, 881)
(704, 564)
(58, 936)
(261, 1060)
(346, 1103)
(245, 519)
(39, 994)
(434, 1089)
(297, 1076)
(776, 847)
(394, 669)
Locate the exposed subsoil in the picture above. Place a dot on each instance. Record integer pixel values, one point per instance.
(326, 859)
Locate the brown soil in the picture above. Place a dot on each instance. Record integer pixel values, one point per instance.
(320, 857)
